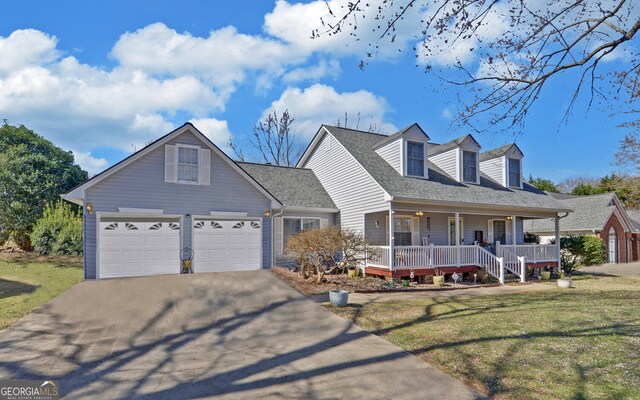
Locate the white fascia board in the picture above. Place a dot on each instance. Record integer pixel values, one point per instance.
(72, 199)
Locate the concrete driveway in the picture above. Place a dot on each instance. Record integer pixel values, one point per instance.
(231, 335)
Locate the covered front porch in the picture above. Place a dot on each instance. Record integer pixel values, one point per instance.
(426, 239)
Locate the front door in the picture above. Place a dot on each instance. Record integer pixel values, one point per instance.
(499, 232)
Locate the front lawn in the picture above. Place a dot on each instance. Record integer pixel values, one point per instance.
(582, 343)
(27, 281)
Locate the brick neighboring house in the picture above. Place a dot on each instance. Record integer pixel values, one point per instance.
(634, 215)
(602, 215)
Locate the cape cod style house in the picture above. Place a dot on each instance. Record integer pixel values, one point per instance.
(422, 206)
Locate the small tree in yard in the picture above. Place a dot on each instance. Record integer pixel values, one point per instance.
(581, 250)
(326, 250)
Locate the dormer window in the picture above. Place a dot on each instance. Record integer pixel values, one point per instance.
(415, 159)
(514, 172)
(469, 166)
(188, 166)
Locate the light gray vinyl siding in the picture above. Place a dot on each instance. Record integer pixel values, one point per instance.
(447, 162)
(141, 185)
(438, 222)
(351, 188)
(376, 235)
(392, 153)
(494, 169)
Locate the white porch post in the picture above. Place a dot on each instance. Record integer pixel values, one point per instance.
(513, 230)
(391, 239)
(557, 223)
(457, 239)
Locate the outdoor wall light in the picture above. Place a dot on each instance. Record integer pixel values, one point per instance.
(266, 214)
(419, 213)
(509, 218)
(377, 224)
(90, 208)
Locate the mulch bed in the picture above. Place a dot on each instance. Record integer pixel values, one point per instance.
(311, 286)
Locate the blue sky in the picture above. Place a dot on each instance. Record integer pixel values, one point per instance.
(104, 78)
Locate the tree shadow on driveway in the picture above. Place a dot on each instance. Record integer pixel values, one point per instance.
(208, 336)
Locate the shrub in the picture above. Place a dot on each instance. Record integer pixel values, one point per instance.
(594, 250)
(58, 231)
(531, 238)
(336, 248)
(581, 250)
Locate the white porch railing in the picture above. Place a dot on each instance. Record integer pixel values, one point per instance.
(533, 252)
(512, 262)
(435, 257)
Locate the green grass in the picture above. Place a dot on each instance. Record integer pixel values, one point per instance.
(27, 281)
(582, 343)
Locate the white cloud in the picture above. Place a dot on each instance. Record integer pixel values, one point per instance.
(26, 47)
(313, 73)
(216, 130)
(322, 104)
(294, 24)
(447, 113)
(89, 163)
(222, 58)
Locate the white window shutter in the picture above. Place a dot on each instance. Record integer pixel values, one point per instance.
(324, 222)
(415, 231)
(490, 230)
(205, 167)
(277, 235)
(170, 163)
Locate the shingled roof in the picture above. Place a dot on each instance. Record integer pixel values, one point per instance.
(435, 148)
(391, 138)
(294, 187)
(590, 213)
(497, 152)
(439, 187)
(634, 216)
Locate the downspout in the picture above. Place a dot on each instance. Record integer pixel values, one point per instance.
(273, 251)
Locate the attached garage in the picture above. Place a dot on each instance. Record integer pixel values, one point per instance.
(138, 246)
(227, 245)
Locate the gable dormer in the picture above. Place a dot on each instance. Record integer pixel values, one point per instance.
(406, 151)
(459, 158)
(503, 165)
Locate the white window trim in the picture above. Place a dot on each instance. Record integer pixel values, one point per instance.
(452, 219)
(507, 179)
(411, 218)
(461, 153)
(187, 146)
(492, 238)
(301, 226)
(425, 167)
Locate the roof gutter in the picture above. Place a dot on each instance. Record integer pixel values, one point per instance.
(477, 205)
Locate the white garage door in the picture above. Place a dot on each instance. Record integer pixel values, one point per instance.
(138, 247)
(226, 245)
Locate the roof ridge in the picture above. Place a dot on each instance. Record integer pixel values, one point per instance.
(273, 165)
(357, 130)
